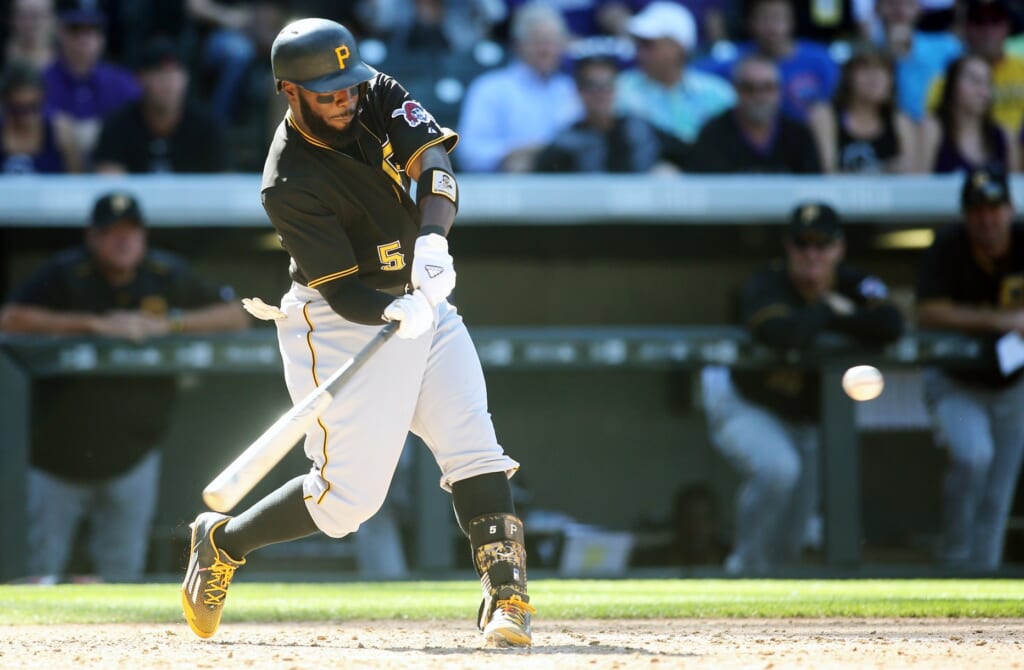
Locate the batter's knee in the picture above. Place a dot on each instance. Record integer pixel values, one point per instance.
(338, 513)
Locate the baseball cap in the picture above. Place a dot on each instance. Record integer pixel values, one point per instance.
(815, 222)
(665, 19)
(82, 12)
(114, 207)
(985, 186)
(158, 52)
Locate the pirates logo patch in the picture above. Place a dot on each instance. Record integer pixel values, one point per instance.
(413, 113)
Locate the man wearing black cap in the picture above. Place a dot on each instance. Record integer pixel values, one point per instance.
(972, 280)
(765, 421)
(94, 439)
(80, 84)
(163, 131)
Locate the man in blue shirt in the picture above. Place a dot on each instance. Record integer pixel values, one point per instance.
(509, 114)
(920, 56)
(809, 74)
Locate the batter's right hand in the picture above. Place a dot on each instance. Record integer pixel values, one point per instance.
(414, 312)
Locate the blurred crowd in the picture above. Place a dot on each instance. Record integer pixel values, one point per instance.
(707, 86)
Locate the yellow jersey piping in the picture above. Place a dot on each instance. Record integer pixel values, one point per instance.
(334, 275)
(316, 381)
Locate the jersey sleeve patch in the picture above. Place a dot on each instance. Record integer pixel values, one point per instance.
(444, 184)
(413, 114)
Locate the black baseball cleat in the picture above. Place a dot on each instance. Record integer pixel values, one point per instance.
(509, 622)
(208, 576)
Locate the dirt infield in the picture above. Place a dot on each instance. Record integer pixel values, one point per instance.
(688, 643)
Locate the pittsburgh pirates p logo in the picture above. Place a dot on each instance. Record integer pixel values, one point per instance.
(342, 54)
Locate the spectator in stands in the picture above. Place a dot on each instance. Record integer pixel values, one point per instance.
(663, 89)
(809, 74)
(963, 134)
(765, 421)
(79, 83)
(987, 25)
(832, 20)
(164, 131)
(919, 56)
(94, 444)
(32, 140)
(436, 25)
(31, 33)
(509, 114)
(862, 131)
(755, 136)
(603, 140)
(970, 281)
(228, 51)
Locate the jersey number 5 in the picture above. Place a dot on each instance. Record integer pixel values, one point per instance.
(391, 259)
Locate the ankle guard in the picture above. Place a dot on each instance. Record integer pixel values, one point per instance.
(499, 555)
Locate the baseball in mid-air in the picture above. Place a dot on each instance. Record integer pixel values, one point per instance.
(863, 382)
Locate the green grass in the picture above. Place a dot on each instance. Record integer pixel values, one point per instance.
(638, 599)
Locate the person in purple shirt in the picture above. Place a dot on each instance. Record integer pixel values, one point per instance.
(31, 141)
(80, 84)
(809, 75)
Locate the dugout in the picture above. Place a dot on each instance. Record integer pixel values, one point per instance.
(571, 252)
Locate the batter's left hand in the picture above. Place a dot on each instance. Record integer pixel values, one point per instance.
(433, 270)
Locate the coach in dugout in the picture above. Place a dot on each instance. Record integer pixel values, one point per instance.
(972, 280)
(94, 440)
(765, 421)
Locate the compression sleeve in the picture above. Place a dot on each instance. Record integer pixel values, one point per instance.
(355, 301)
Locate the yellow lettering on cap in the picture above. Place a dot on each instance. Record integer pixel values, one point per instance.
(809, 214)
(342, 53)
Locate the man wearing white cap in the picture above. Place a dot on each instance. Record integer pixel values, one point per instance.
(662, 89)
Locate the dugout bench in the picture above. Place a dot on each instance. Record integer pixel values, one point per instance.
(26, 359)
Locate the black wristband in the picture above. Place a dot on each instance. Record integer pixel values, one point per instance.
(440, 182)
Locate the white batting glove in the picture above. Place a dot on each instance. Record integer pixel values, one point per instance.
(415, 313)
(262, 310)
(433, 271)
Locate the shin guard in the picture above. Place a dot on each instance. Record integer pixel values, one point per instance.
(499, 555)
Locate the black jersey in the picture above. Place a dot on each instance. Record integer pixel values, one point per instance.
(343, 212)
(778, 315)
(949, 270)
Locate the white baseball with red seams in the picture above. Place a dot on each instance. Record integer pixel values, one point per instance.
(863, 382)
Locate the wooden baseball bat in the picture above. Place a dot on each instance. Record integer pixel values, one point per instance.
(260, 457)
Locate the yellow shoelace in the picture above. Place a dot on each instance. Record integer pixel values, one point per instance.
(516, 606)
(217, 585)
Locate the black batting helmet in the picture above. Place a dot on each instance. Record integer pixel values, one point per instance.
(318, 55)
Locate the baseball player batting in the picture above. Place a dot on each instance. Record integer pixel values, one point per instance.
(364, 252)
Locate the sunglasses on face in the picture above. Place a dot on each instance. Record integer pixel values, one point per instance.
(817, 243)
(328, 98)
(22, 108)
(748, 86)
(596, 85)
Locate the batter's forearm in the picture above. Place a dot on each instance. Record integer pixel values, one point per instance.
(437, 210)
(356, 302)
